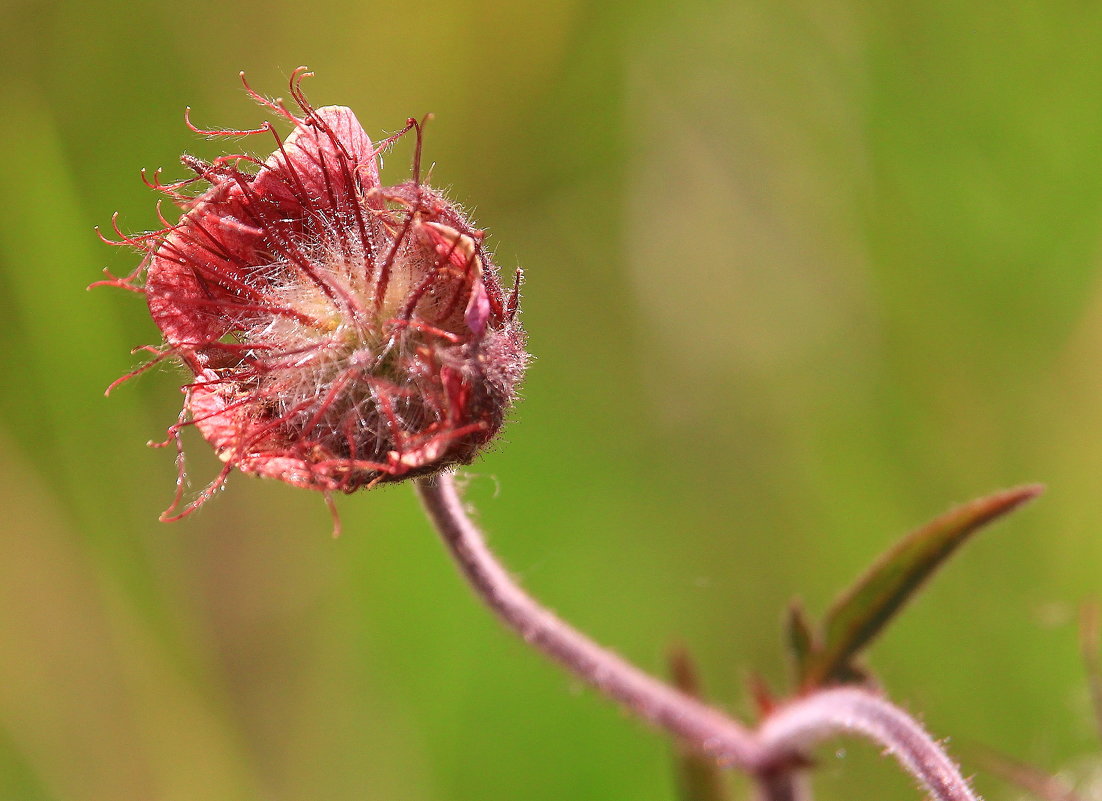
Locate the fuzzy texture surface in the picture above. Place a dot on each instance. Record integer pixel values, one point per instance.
(341, 333)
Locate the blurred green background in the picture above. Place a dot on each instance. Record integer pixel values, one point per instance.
(799, 276)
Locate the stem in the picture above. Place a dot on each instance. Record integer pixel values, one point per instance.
(773, 754)
(808, 721)
(782, 785)
(698, 725)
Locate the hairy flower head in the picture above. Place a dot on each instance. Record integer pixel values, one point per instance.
(341, 333)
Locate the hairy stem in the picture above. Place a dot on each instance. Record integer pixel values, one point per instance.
(773, 754)
(698, 725)
(825, 714)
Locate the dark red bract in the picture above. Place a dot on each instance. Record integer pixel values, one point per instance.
(341, 333)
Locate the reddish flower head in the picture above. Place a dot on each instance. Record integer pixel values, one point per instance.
(341, 333)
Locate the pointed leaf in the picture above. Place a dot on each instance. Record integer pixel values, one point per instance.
(698, 778)
(764, 700)
(798, 637)
(862, 611)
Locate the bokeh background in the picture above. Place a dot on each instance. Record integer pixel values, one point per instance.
(800, 275)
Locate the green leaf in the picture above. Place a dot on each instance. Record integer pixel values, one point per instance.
(801, 645)
(698, 778)
(863, 610)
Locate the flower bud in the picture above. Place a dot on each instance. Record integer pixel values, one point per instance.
(342, 333)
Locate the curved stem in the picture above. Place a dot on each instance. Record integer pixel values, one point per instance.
(698, 725)
(824, 714)
(773, 753)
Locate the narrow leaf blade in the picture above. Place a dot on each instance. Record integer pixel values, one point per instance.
(863, 610)
(800, 641)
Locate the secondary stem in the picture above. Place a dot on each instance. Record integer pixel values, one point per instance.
(825, 714)
(782, 785)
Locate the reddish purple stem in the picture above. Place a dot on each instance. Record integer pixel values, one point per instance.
(701, 726)
(773, 754)
(826, 714)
